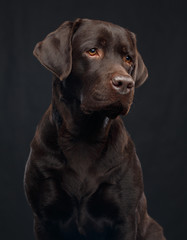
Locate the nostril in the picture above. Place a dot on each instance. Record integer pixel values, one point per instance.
(117, 83)
(122, 84)
(130, 84)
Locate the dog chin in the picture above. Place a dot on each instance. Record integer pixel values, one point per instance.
(110, 111)
(114, 112)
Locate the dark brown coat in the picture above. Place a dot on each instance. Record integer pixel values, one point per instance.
(83, 178)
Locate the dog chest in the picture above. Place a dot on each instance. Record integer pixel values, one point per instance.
(94, 211)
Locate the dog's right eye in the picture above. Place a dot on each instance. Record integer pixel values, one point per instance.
(95, 53)
(92, 52)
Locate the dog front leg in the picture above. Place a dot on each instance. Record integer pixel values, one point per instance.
(46, 230)
(126, 230)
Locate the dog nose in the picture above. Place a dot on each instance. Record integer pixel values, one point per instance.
(122, 84)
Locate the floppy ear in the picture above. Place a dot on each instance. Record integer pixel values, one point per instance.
(55, 51)
(141, 72)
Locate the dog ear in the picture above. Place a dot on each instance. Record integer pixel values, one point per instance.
(141, 72)
(55, 51)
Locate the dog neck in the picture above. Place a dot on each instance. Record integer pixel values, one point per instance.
(70, 119)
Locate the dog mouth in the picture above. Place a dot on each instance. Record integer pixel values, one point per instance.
(108, 109)
(110, 103)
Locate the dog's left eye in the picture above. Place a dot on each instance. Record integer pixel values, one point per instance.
(92, 52)
(128, 59)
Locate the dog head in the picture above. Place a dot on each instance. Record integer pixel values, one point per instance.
(97, 62)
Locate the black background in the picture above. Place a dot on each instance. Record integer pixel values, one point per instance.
(156, 122)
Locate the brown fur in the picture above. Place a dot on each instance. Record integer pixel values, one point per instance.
(83, 178)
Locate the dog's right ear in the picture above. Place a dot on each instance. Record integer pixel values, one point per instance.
(55, 51)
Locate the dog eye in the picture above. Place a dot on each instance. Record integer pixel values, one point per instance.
(92, 52)
(128, 59)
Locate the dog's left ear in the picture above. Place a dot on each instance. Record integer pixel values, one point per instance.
(55, 51)
(141, 72)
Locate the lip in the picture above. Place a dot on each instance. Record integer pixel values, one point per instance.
(109, 109)
(117, 103)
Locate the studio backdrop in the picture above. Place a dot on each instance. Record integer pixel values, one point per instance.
(157, 121)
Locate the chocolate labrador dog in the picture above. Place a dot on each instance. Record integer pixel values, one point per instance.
(83, 178)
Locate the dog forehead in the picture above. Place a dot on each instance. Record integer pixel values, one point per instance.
(92, 31)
